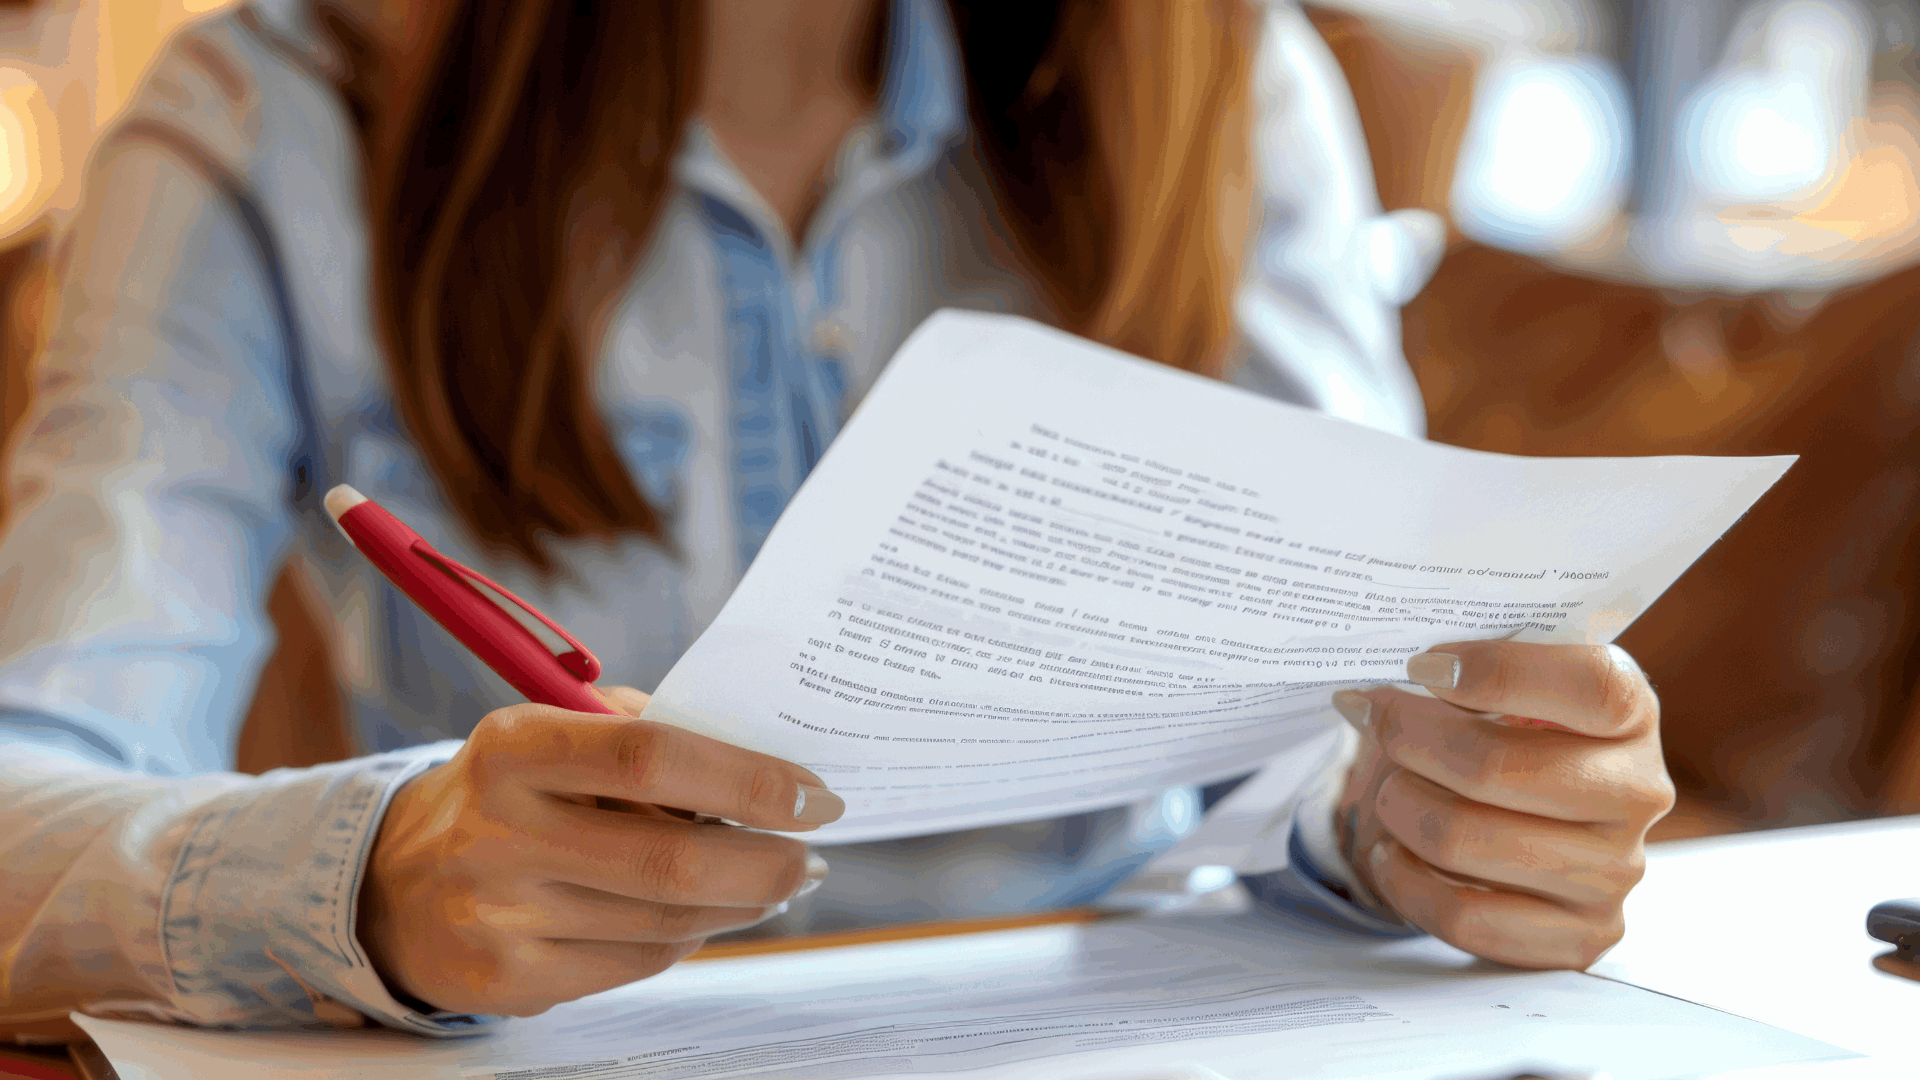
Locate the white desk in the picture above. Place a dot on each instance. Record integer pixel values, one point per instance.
(1772, 926)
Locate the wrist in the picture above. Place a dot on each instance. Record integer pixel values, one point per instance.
(376, 910)
(273, 871)
(1328, 834)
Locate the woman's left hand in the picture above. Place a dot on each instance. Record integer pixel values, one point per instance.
(1507, 814)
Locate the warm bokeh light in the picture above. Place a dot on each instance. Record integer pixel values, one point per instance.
(28, 174)
(1546, 155)
(67, 67)
(1780, 152)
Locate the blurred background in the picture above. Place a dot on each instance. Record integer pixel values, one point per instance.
(1676, 227)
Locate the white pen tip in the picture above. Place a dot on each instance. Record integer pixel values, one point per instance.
(342, 499)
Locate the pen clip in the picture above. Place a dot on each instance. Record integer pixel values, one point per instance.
(580, 662)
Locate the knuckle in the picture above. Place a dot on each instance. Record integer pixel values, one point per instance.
(498, 739)
(668, 867)
(494, 727)
(494, 732)
(1498, 675)
(640, 752)
(1637, 786)
(1659, 796)
(1648, 801)
(1454, 841)
(484, 766)
(486, 732)
(1460, 926)
(1603, 882)
(787, 880)
(1629, 871)
(1597, 938)
(509, 725)
(679, 922)
(1615, 687)
(1489, 771)
(789, 872)
(763, 790)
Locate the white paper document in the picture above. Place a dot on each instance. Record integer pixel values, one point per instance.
(1035, 576)
(1122, 1000)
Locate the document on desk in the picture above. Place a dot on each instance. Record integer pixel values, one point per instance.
(1035, 576)
(1122, 1000)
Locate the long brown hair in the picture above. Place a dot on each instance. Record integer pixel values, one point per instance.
(1113, 133)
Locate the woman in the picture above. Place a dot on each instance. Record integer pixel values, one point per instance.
(582, 292)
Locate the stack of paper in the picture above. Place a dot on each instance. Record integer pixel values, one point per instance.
(1035, 576)
(1121, 1000)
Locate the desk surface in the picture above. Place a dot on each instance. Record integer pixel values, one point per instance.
(1765, 925)
(1772, 926)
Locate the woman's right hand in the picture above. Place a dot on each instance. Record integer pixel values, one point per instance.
(537, 866)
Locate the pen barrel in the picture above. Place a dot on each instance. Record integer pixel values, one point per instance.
(475, 619)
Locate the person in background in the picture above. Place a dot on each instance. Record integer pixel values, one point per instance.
(582, 292)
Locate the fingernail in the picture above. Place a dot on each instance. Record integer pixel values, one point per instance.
(817, 806)
(1377, 855)
(816, 873)
(1354, 707)
(1438, 670)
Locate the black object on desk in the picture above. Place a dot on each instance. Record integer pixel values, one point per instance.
(1897, 921)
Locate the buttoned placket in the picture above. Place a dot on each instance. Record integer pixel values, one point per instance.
(783, 333)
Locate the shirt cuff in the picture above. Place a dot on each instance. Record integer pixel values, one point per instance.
(1318, 877)
(257, 920)
(1300, 888)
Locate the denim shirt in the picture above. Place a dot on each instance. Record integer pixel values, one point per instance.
(211, 371)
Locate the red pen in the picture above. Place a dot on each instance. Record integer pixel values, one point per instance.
(450, 593)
